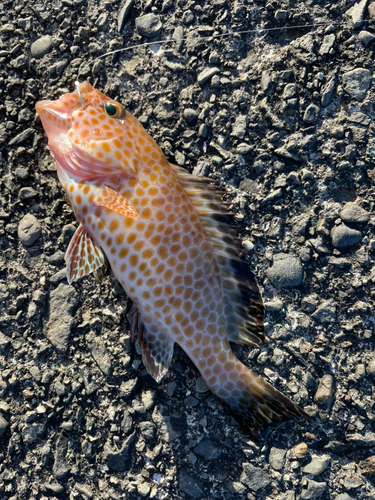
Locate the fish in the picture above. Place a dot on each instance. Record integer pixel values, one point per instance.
(171, 243)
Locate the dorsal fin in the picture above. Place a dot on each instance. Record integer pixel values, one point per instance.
(243, 302)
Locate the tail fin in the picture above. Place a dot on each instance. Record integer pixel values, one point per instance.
(260, 407)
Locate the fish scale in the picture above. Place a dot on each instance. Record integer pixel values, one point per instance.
(169, 242)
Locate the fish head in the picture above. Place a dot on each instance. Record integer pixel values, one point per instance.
(86, 133)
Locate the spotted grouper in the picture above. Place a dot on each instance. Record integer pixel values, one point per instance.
(169, 241)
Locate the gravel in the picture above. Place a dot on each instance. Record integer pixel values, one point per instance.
(284, 121)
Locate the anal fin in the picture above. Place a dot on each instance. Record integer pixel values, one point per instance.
(115, 201)
(84, 257)
(157, 346)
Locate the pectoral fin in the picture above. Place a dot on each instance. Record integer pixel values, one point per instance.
(114, 201)
(84, 257)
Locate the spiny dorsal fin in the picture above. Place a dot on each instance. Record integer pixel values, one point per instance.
(243, 302)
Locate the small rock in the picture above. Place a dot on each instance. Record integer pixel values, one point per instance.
(311, 114)
(290, 91)
(325, 393)
(209, 448)
(300, 450)
(22, 137)
(27, 193)
(239, 127)
(148, 25)
(190, 484)
(366, 38)
(327, 92)
(354, 214)
(325, 312)
(327, 44)
(191, 116)
(277, 458)
(124, 14)
(207, 74)
(357, 13)
(29, 230)
(353, 481)
(3, 425)
(148, 430)
(254, 477)
(357, 82)
(120, 460)
(370, 369)
(314, 490)
(317, 465)
(345, 237)
(367, 466)
(41, 47)
(130, 388)
(286, 271)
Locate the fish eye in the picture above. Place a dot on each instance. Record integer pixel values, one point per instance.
(114, 110)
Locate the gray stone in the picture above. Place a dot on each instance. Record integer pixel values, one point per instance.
(206, 74)
(209, 448)
(325, 393)
(190, 484)
(311, 114)
(317, 465)
(4, 341)
(254, 477)
(367, 440)
(148, 430)
(314, 490)
(357, 82)
(278, 357)
(84, 490)
(63, 303)
(191, 116)
(371, 147)
(286, 271)
(148, 25)
(56, 259)
(27, 193)
(370, 369)
(277, 458)
(130, 388)
(327, 91)
(120, 460)
(357, 13)
(60, 469)
(360, 118)
(29, 230)
(345, 237)
(344, 496)
(22, 137)
(3, 425)
(41, 47)
(25, 115)
(55, 487)
(353, 214)
(353, 481)
(366, 38)
(239, 127)
(327, 44)
(325, 312)
(99, 352)
(290, 91)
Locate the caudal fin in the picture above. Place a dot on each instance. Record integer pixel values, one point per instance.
(260, 407)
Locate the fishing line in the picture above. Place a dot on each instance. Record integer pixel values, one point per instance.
(258, 30)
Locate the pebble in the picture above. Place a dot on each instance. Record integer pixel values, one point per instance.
(3, 425)
(314, 490)
(300, 450)
(41, 46)
(327, 44)
(130, 388)
(191, 116)
(357, 13)
(277, 458)
(22, 137)
(344, 496)
(327, 92)
(148, 25)
(120, 460)
(366, 38)
(254, 477)
(367, 466)
(317, 465)
(209, 448)
(354, 214)
(357, 82)
(26, 193)
(56, 259)
(325, 393)
(357, 439)
(190, 484)
(370, 369)
(206, 74)
(29, 230)
(326, 312)
(124, 14)
(239, 127)
(286, 271)
(311, 114)
(63, 303)
(345, 237)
